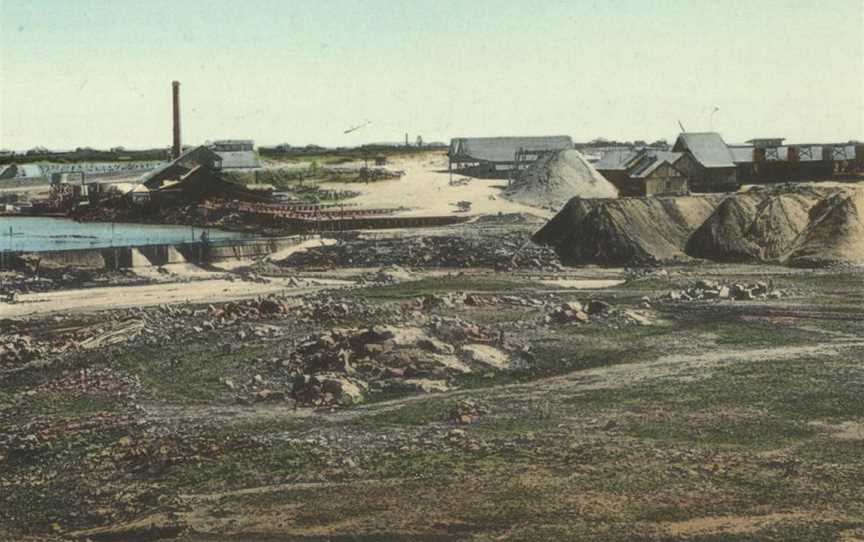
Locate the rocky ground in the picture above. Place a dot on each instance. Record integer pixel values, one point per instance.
(499, 242)
(701, 402)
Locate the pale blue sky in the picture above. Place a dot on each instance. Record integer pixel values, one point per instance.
(98, 72)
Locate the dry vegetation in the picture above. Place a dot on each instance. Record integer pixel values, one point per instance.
(700, 420)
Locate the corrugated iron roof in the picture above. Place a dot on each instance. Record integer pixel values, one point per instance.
(708, 148)
(503, 149)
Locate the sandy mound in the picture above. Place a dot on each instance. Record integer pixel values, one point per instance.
(629, 231)
(556, 178)
(753, 227)
(835, 235)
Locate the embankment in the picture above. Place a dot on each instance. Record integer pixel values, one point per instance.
(148, 255)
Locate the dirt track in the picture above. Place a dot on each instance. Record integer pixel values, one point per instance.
(200, 290)
(425, 191)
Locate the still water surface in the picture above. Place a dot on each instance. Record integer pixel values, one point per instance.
(43, 234)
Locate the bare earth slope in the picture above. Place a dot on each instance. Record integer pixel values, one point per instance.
(835, 234)
(556, 178)
(626, 231)
(756, 226)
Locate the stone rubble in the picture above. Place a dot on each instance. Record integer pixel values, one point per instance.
(709, 290)
(512, 250)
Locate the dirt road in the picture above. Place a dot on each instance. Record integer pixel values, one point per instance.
(209, 290)
(425, 190)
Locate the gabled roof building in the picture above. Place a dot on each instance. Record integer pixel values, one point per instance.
(713, 166)
(489, 156)
(646, 172)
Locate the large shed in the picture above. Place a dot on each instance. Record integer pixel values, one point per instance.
(494, 156)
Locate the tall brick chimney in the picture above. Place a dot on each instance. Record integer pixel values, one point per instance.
(177, 147)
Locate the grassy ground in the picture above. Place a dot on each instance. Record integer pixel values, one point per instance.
(720, 421)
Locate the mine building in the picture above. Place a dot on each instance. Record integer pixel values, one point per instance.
(657, 173)
(712, 168)
(614, 165)
(646, 172)
(174, 170)
(769, 160)
(500, 157)
(202, 183)
(236, 153)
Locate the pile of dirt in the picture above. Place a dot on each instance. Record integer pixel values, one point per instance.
(835, 234)
(757, 226)
(556, 178)
(628, 231)
(710, 290)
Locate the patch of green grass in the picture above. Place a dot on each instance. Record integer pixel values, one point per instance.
(500, 315)
(782, 531)
(766, 432)
(797, 390)
(238, 469)
(423, 411)
(832, 450)
(596, 347)
(32, 509)
(190, 372)
(756, 333)
(64, 405)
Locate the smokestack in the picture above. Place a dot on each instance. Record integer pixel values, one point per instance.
(177, 148)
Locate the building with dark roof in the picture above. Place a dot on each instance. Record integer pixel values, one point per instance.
(498, 156)
(646, 172)
(202, 183)
(172, 171)
(8, 172)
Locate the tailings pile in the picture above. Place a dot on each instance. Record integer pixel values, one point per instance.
(757, 226)
(556, 178)
(835, 235)
(627, 231)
